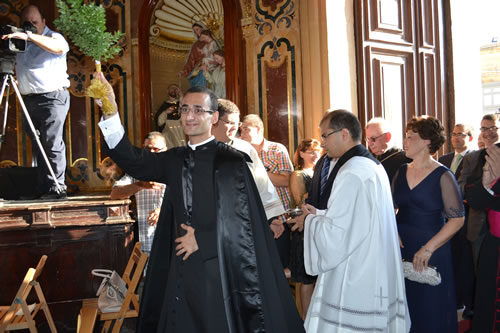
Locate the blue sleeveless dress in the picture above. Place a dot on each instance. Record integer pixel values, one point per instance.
(422, 213)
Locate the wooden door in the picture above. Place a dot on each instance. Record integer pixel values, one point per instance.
(400, 61)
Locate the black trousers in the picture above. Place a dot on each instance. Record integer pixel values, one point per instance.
(48, 112)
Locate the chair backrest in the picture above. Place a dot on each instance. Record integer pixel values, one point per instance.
(132, 276)
(19, 315)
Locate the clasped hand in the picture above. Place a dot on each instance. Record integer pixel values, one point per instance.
(187, 244)
(421, 259)
(491, 169)
(298, 221)
(277, 228)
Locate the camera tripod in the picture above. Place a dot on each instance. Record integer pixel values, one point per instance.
(8, 79)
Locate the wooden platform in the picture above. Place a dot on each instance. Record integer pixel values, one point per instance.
(77, 235)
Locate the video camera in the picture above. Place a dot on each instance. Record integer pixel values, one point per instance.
(11, 46)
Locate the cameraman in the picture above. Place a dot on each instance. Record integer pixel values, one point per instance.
(43, 82)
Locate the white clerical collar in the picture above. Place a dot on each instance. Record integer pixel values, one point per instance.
(193, 146)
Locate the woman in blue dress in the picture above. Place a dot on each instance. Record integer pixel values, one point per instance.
(430, 212)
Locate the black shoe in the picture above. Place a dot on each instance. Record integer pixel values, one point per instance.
(54, 195)
(468, 314)
(30, 196)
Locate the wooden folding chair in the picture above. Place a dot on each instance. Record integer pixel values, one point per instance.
(130, 307)
(19, 315)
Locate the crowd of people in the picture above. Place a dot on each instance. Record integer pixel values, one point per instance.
(361, 214)
(358, 214)
(226, 216)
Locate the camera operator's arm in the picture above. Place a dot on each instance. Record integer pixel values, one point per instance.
(56, 45)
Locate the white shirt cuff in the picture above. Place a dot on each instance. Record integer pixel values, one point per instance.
(489, 190)
(320, 212)
(112, 130)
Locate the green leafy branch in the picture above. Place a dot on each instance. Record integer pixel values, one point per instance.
(85, 26)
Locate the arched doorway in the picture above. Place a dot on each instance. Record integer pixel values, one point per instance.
(234, 54)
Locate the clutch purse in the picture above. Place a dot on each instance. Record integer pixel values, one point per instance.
(429, 275)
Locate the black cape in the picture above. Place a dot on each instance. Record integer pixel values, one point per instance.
(256, 294)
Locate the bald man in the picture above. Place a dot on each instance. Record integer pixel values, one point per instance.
(43, 82)
(378, 138)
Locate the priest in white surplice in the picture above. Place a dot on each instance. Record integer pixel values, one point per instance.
(353, 245)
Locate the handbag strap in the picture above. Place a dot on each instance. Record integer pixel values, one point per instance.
(104, 273)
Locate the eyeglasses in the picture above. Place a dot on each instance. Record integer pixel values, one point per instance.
(459, 135)
(156, 149)
(374, 138)
(312, 152)
(245, 128)
(486, 129)
(232, 123)
(325, 136)
(196, 110)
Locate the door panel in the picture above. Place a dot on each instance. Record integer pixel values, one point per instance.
(400, 67)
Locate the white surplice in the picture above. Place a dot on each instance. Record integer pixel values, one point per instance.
(267, 191)
(353, 247)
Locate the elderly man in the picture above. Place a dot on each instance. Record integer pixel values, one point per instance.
(463, 264)
(148, 195)
(275, 158)
(213, 266)
(378, 137)
(225, 131)
(353, 245)
(42, 77)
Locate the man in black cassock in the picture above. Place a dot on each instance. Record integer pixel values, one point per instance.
(214, 266)
(378, 138)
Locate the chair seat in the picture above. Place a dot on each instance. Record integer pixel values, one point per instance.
(90, 306)
(130, 307)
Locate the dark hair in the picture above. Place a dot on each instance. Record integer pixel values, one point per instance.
(202, 90)
(207, 33)
(303, 146)
(219, 52)
(197, 25)
(490, 116)
(106, 164)
(227, 107)
(467, 128)
(339, 119)
(428, 128)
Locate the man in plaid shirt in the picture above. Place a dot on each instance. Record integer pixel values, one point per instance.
(277, 162)
(148, 195)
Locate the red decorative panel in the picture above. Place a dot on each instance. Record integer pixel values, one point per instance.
(277, 106)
